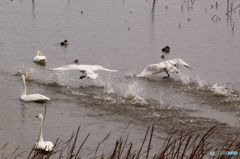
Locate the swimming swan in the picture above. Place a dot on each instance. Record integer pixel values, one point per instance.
(41, 144)
(168, 66)
(31, 97)
(86, 70)
(39, 58)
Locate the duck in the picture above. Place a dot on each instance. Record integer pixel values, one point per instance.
(64, 43)
(86, 70)
(31, 97)
(166, 49)
(42, 145)
(40, 58)
(167, 66)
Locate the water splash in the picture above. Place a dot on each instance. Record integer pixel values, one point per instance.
(133, 92)
(131, 74)
(185, 78)
(59, 78)
(200, 84)
(108, 89)
(28, 76)
(99, 83)
(219, 90)
(67, 90)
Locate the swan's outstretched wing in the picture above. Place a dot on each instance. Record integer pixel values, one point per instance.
(68, 68)
(152, 70)
(86, 70)
(180, 61)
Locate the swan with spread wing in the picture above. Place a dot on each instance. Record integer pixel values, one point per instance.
(86, 70)
(167, 66)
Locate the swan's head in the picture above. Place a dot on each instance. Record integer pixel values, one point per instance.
(39, 116)
(23, 77)
(38, 53)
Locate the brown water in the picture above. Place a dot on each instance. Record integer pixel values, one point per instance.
(123, 35)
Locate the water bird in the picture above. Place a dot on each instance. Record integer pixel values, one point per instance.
(166, 49)
(167, 66)
(86, 70)
(31, 97)
(42, 145)
(40, 58)
(64, 43)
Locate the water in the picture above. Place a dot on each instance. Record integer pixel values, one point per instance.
(123, 35)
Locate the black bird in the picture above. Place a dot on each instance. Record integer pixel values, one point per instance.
(64, 43)
(166, 49)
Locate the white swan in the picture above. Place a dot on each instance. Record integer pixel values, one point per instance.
(31, 97)
(86, 70)
(168, 66)
(39, 58)
(41, 144)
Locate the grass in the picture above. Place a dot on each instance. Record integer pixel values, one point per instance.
(178, 145)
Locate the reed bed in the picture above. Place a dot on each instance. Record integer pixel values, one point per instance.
(187, 145)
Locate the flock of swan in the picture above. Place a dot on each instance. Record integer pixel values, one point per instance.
(167, 66)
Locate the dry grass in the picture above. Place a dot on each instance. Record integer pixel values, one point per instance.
(186, 145)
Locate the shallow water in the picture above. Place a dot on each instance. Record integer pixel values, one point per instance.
(123, 35)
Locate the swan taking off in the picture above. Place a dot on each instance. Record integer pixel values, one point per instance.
(40, 58)
(41, 144)
(31, 97)
(86, 70)
(168, 66)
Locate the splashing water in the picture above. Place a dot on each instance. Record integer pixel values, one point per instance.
(108, 88)
(59, 78)
(219, 90)
(133, 92)
(99, 83)
(28, 76)
(200, 84)
(131, 74)
(67, 90)
(185, 78)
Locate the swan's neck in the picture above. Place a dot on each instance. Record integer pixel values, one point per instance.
(40, 139)
(24, 88)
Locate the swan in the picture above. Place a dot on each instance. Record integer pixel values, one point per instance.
(166, 49)
(41, 144)
(39, 58)
(64, 43)
(168, 66)
(86, 70)
(31, 97)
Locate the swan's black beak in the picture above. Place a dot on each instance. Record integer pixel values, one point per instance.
(36, 116)
(176, 71)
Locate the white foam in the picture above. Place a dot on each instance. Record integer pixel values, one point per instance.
(219, 90)
(59, 78)
(133, 92)
(200, 84)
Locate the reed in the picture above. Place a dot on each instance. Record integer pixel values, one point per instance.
(178, 145)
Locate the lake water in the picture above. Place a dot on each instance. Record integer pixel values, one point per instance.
(127, 36)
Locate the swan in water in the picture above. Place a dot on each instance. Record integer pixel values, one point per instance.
(86, 70)
(168, 66)
(31, 97)
(40, 58)
(41, 144)
(64, 43)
